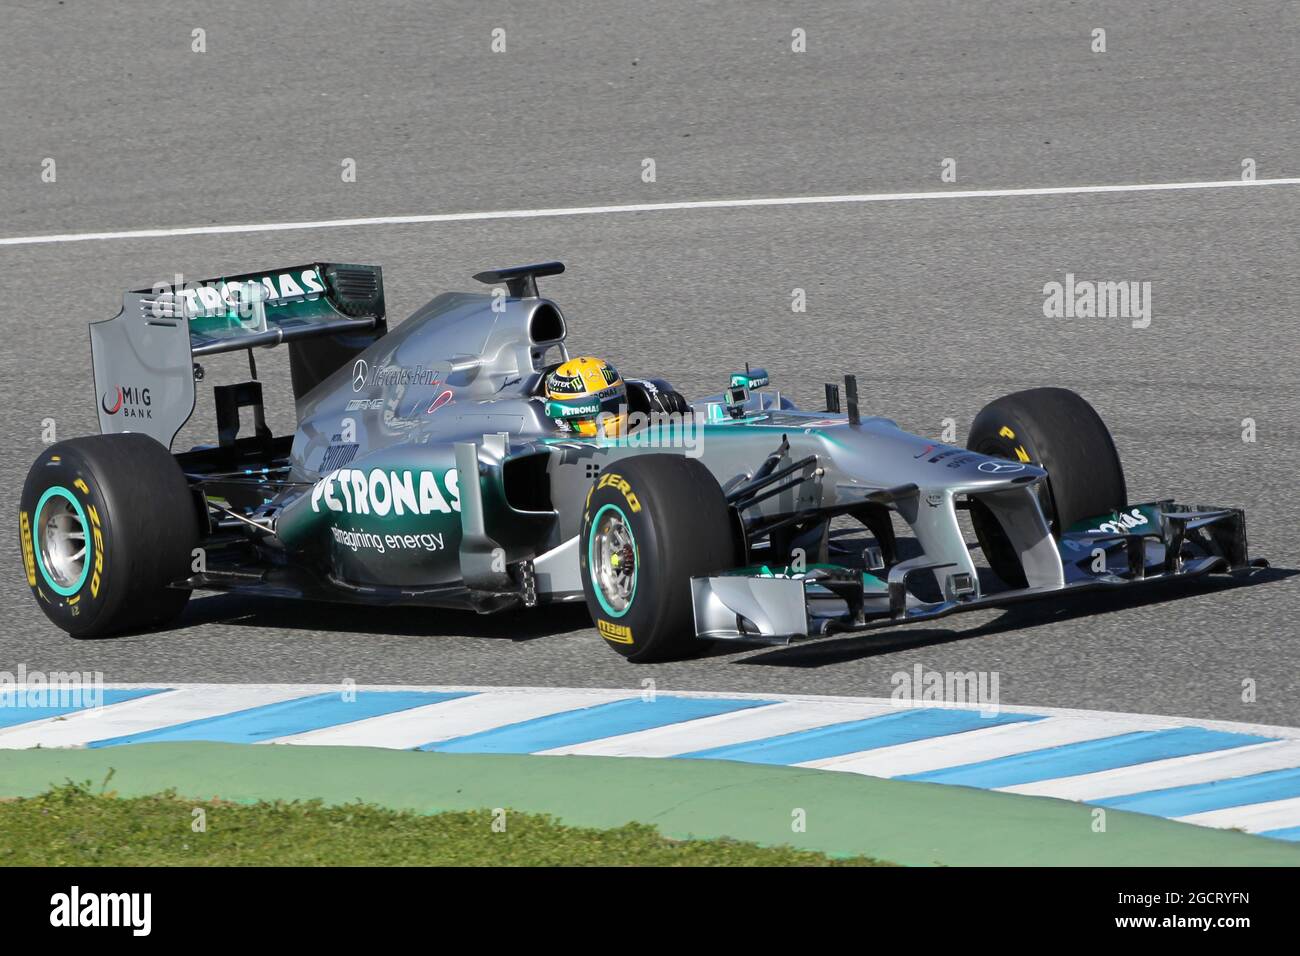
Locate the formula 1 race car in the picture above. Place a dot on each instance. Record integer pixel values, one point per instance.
(443, 464)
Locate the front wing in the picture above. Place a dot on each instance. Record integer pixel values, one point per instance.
(1159, 541)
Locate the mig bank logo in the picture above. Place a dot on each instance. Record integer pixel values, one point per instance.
(129, 401)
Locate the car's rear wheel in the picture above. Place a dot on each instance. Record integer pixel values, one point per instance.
(652, 523)
(106, 523)
(1059, 430)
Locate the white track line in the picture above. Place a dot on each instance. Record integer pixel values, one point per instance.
(636, 207)
(721, 730)
(972, 746)
(1253, 818)
(1173, 772)
(453, 718)
(144, 713)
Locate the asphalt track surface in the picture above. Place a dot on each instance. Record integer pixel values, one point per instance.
(936, 305)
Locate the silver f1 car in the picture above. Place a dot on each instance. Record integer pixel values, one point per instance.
(425, 470)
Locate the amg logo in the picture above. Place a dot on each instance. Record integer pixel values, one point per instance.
(103, 909)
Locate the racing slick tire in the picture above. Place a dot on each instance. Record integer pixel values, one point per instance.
(106, 522)
(1059, 430)
(650, 524)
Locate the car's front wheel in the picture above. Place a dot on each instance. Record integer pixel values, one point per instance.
(1057, 429)
(651, 523)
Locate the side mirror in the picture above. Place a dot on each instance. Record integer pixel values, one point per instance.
(750, 378)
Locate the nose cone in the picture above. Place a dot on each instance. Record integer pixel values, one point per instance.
(945, 464)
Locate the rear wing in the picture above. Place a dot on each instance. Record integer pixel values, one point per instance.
(144, 357)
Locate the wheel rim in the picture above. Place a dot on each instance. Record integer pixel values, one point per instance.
(613, 560)
(61, 538)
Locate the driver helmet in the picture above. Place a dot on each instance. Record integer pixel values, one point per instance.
(586, 395)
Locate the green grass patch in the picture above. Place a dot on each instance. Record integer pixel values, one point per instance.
(73, 826)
